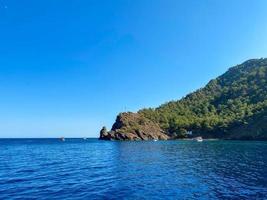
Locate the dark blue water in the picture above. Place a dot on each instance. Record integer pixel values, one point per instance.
(92, 169)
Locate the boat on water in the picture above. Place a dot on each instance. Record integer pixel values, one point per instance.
(155, 140)
(62, 139)
(199, 139)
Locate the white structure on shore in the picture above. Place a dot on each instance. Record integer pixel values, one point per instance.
(189, 133)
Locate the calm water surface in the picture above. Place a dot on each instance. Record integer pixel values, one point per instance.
(92, 169)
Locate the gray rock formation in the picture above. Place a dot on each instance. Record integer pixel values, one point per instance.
(133, 126)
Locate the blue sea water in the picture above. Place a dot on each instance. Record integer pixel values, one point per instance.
(92, 169)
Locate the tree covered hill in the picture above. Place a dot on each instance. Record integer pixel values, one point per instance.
(232, 106)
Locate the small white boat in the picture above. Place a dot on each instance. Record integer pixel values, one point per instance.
(62, 139)
(199, 139)
(84, 138)
(155, 140)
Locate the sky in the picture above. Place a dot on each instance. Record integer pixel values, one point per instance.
(68, 67)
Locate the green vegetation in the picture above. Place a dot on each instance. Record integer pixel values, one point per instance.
(233, 105)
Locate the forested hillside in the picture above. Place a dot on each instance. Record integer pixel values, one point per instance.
(233, 105)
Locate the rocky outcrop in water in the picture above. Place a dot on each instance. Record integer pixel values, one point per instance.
(133, 126)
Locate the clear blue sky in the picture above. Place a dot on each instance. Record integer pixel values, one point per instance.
(68, 67)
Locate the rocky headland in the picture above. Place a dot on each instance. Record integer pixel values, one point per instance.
(133, 126)
(232, 106)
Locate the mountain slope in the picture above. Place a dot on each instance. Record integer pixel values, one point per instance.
(232, 106)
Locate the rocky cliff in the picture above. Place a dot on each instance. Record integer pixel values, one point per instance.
(133, 126)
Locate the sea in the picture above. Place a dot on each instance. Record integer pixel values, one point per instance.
(93, 169)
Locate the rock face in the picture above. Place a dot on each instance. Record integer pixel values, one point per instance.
(104, 133)
(133, 126)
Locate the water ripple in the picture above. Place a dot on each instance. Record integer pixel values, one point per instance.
(92, 169)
